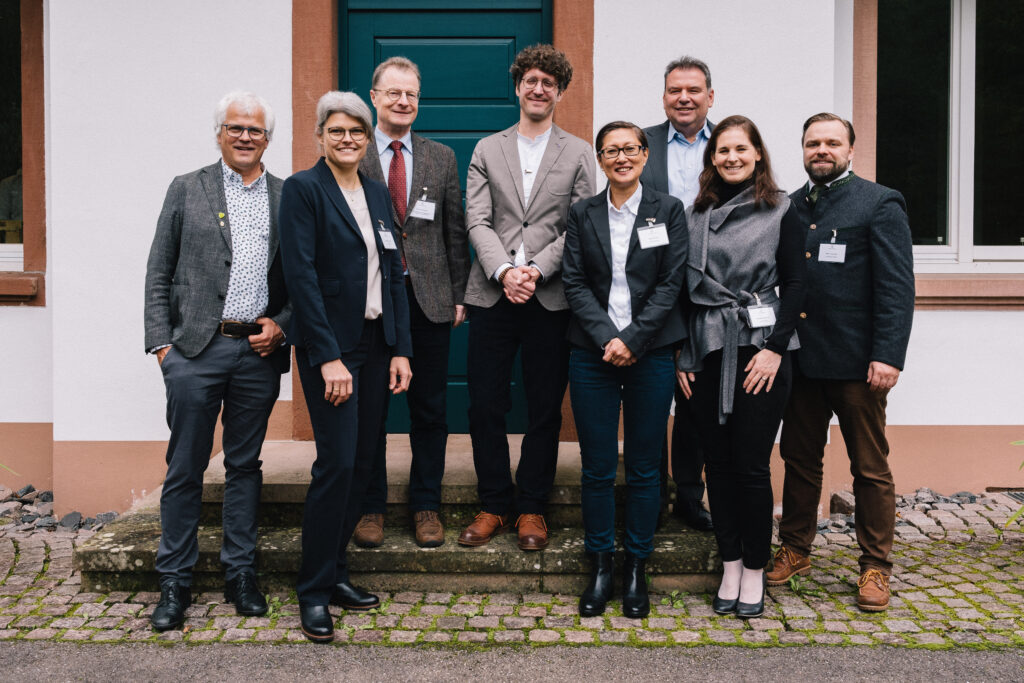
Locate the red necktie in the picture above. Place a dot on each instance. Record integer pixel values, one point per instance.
(396, 185)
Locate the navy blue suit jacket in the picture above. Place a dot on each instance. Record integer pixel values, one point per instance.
(324, 258)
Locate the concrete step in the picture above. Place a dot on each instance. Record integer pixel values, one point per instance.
(286, 468)
(121, 557)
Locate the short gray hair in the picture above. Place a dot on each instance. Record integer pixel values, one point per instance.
(249, 103)
(402, 63)
(688, 62)
(342, 102)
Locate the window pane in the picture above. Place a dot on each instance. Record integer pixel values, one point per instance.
(912, 153)
(999, 124)
(10, 122)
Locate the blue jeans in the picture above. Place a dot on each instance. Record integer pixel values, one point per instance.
(644, 390)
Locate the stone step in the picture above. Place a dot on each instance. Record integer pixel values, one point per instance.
(121, 557)
(286, 468)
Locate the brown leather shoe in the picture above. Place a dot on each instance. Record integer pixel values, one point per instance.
(873, 595)
(429, 531)
(786, 564)
(533, 532)
(483, 529)
(369, 531)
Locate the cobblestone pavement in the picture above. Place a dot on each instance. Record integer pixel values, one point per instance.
(957, 583)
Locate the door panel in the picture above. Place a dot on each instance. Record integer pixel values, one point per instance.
(463, 49)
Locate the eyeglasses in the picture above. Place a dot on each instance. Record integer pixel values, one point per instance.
(336, 134)
(546, 83)
(610, 153)
(236, 131)
(394, 94)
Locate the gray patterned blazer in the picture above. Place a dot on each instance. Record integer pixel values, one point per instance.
(190, 262)
(436, 252)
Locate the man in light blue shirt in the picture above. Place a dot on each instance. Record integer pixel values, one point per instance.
(674, 165)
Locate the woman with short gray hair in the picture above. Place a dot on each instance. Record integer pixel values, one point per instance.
(350, 329)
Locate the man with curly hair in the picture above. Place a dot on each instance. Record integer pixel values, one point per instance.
(520, 185)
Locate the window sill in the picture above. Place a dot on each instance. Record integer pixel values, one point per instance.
(970, 291)
(21, 288)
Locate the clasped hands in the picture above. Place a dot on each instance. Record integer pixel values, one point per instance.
(761, 371)
(338, 380)
(520, 283)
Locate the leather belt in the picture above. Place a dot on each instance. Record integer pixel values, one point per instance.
(238, 330)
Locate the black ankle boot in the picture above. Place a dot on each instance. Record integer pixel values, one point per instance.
(635, 602)
(599, 590)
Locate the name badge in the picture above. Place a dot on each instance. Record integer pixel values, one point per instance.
(760, 316)
(423, 209)
(386, 237)
(832, 253)
(652, 235)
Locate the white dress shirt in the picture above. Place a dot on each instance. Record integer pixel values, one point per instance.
(531, 152)
(620, 227)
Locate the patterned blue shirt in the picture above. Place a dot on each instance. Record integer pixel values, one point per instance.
(248, 213)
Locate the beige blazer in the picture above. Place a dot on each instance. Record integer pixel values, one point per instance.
(499, 220)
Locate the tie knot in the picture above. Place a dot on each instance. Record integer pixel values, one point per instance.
(396, 145)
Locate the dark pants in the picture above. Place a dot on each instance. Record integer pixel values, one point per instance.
(861, 414)
(428, 428)
(346, 442)
(686, 452)
(495, 335)
(738, 454)
(226, 372)
(644, 390)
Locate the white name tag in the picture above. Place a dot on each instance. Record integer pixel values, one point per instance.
(423, 209)
(761, 316)
(652, 236)
(388, 239)
(832, 253)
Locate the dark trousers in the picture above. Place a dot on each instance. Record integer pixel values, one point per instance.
(346, 442)
(229, 373)
(428, 418)
(495, 335)
(861, 414)
(644, 390)
(686, 452)
(738, 454)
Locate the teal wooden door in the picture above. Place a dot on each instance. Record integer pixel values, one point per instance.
(463, 49)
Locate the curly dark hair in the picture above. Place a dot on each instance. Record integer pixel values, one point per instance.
(546, 58)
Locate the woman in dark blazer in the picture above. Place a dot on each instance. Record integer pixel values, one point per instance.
(623, 269)
(745, 241)
(350, 329)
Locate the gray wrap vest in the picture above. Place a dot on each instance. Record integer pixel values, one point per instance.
(731, 265)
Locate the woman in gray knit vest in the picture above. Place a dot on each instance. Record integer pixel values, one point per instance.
(734, 369)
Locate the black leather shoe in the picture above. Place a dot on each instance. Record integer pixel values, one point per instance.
(599, 590)
(170, 611)
(351, 598)
(317, 623)
(245, 593)
(746, 610)
(636, 604)
(723, 606)
(693, 514)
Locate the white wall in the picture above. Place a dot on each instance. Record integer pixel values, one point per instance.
(25, 376)
(132, 92)
(771, 61)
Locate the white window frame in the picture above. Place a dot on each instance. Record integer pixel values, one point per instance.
(961, 255)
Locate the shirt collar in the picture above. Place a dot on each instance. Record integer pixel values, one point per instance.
(232, 177)
(810, 183)
(384, 141)
(543, 137)
(632, 204)
(704, 132)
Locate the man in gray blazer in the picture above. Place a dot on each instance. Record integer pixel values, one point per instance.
(674, 165)
(215, 308)
(854, 333)
(520, 185)
(427, 199)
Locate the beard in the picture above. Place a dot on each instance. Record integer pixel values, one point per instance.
(826, 175)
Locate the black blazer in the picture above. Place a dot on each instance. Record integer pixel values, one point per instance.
(324, 260)
(655, 275)
(860, 310)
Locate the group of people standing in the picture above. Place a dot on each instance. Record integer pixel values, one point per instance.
(692, 270)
